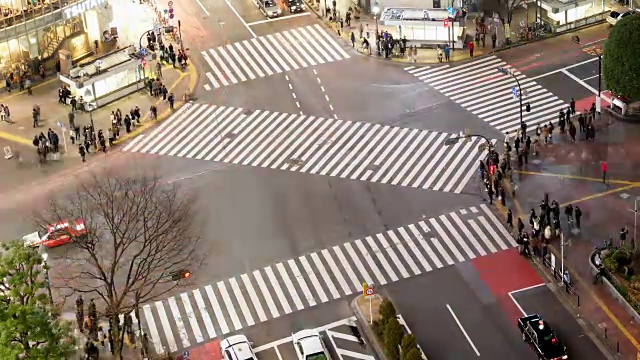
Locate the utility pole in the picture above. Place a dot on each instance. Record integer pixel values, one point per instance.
(635, 218)
(513, 75)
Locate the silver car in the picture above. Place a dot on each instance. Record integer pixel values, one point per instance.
(269, 8)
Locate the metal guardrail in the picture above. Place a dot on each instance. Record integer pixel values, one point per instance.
(551, 264)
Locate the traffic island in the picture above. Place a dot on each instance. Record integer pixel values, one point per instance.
(385, 329)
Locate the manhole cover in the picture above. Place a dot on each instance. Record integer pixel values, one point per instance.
(295, 162)
(372, 167)
(625, 195)
(537, 162)
(230, 136)
(575, 231)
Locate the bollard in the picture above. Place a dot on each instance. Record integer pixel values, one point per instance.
(578, 300)
(605, 333)
(618, 347)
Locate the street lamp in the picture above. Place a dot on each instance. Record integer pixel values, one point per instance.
(506, 71)
(45, 256)
(597, 52)
(376, 11)
(635, 218)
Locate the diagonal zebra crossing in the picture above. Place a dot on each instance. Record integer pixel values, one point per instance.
(215, 310)
(307, 144)
(479, 88)
(271, 54)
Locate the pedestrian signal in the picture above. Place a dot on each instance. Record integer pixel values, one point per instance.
(182, 274)
(528, 107)
(492, 169)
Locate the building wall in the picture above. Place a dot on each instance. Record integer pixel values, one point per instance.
(31, 33)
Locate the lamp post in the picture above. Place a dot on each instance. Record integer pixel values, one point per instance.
(597, 52)
(45, 266)
(513, 75)
(376, 10)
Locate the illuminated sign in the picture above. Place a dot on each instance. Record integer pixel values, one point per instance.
(79, 8)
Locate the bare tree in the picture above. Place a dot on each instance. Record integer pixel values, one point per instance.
(140, 232)
(511, 6)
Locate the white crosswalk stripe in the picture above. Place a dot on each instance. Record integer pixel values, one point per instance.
(479, 88)
(300, 143)
(321, 276)
(285, 51)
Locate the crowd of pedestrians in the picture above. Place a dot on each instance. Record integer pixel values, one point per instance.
(99, 338)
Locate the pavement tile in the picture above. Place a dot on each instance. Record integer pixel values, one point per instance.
(602, 218)
(38, 184)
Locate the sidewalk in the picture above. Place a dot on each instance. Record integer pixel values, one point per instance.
(424, 56)
(130, 351)
(31, 176)
(601, 313)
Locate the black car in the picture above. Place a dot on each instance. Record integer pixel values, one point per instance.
(295, 6)
(542, 338)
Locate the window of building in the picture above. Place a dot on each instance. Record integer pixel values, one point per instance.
(5, 58)
(33, 45)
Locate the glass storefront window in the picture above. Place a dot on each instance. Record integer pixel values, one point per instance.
(14, 50)
(5, 58)
(33, 45)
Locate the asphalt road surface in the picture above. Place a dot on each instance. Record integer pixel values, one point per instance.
(316, 169)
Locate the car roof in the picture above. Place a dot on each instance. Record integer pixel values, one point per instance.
(238, 345)
(310, 341)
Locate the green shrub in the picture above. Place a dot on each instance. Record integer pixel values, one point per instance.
(392, 337)
(414, 354)
(387, 311)
(408, 344)
(377, 330)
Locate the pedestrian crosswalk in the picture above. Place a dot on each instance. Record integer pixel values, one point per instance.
(292, 285)
(307, 144)
(478, 87)
(271, 54)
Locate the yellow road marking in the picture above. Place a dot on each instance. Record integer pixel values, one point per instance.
(574, 177)
(604, 193)
(163, 114)
(15, 138)
(590, 292)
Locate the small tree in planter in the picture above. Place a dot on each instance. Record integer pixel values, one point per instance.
(414, 354)
(409, 344)
(393, 335)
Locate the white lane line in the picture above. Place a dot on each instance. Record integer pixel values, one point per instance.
(590, 77)
(586, 86)
(278, 19)
(203, 8)
(265, 293)
(520, 290)
(222, 322)
(205, 313)
(464, 332)
(243, 303)
(184, 336)
(192, 317)
(254, 297)
(222, 289)
(155, 336)
(241, 19)
(564, 68)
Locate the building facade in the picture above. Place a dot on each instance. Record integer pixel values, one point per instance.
(32, 31)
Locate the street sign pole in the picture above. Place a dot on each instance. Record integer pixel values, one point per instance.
(635, 218)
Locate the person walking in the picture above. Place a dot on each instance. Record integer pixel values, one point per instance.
(577, 213)
(603, 166)
(471, 48)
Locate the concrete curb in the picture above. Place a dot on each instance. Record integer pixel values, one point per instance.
(635, 119)
(364, 325)
(611, 289)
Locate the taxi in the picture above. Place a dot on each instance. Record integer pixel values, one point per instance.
(539, 335)
(57, 234)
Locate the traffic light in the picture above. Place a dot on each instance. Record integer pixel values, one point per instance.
(182, 274)
(528, 107)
